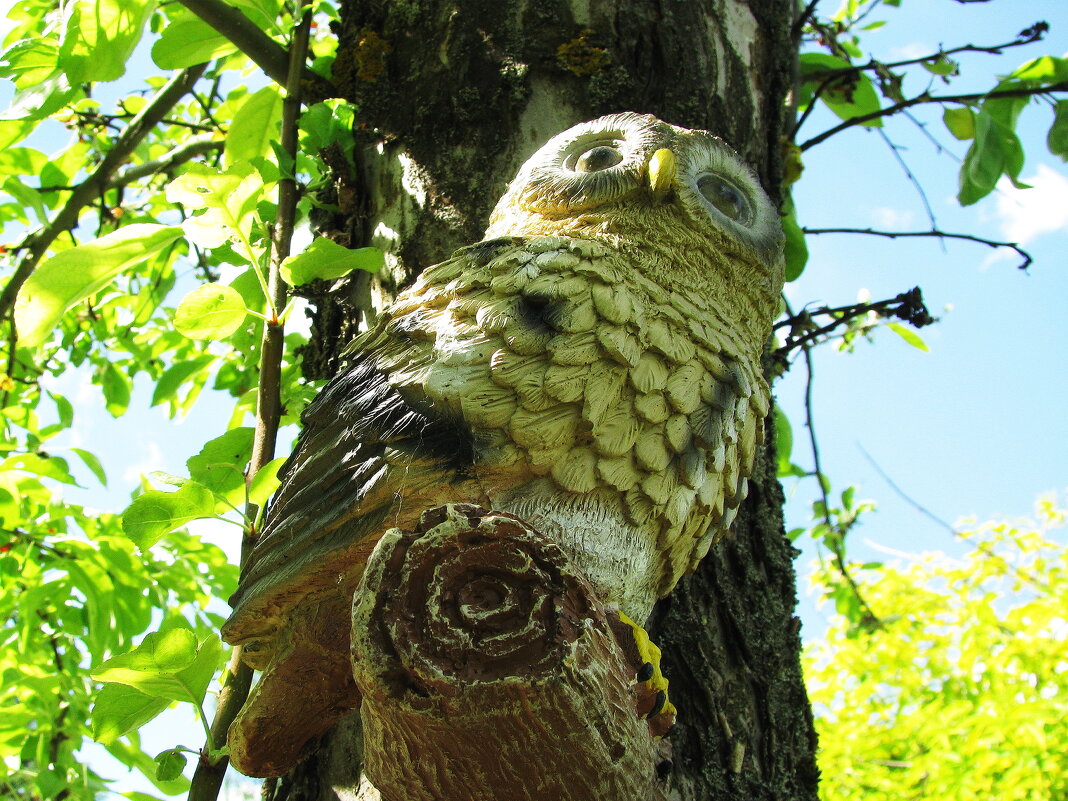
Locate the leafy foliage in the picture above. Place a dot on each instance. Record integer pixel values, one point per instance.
(146, 264)
(962, 686)
(137, 244)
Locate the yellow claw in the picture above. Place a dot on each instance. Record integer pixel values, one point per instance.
(661, 172)
(650, 674)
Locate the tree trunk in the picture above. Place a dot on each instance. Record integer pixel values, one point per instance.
(452, 97)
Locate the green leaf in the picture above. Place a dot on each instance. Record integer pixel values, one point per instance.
(170, 764)
(1042, 70)
(188, 41)
(255, 125)
(960, 122)
(852, 95)
(795, 249)
(120, 708)
(167, 664)
(176, 375)
(93, 463)
(942, 65)
(211, 311)
(220, 464)
(229, 201)
(100, 36)
(325, 259)
(329, 123)
(72, 275)
(116, 386)
(154, 513)
(265, 482)
(47, 466)
(908, 335)
(1057, 138)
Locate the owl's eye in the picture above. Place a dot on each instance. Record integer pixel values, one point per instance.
(598, 158)
(727, 198)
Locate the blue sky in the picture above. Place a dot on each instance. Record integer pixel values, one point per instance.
(976, 426)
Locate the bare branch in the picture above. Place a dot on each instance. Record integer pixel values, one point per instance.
(908, 306)
(991, 243)
(1061, 86)
(837, 545)
(268, 55)
(36, 244)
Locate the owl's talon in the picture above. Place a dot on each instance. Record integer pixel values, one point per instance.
(652, 690)
(645, 672)
(658, 705)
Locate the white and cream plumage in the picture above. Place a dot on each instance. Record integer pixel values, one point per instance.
(592, 366)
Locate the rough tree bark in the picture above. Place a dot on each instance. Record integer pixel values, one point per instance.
(452, 97)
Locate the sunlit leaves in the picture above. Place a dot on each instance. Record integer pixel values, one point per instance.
(211, 311)
(73, 275)
(170, 665)
(188, 40)
(847, 92)
(962, 686)
(254, 127)
(99, 37)
(120, 708)
(325, 259)
(154, 513)
(227, 200)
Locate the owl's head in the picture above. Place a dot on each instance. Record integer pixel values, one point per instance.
(636, 167)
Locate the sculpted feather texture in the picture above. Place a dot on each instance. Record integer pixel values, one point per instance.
(592, 366)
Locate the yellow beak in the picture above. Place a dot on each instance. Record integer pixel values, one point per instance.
(661, 172)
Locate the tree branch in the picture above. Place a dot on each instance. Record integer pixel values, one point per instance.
(907, 306)
(991, 243)
(1027, 36)
(1061, 86)
(209, 776)
(196, 146)
(35, 245)
(267, 54)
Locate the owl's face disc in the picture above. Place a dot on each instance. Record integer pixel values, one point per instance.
(604, 167)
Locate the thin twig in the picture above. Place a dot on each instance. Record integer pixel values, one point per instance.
(991, 243)
(803, 18)
(1060, 86)
(264, 51)
(837, 549)
(912, 178)
(907, 306)
(238, 678)
(983, 547)
(36, 244)
(1025, 37)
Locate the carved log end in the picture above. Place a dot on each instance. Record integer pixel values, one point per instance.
(489, 670)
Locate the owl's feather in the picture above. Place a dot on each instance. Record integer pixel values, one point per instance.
(537, 400)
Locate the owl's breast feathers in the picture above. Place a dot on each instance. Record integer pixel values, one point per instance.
(548, 361)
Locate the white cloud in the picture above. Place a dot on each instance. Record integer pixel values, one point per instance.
(149, 462)
(912, 50)
(893, 219)
(1025, 214)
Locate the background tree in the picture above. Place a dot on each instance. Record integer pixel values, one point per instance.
(416, 115)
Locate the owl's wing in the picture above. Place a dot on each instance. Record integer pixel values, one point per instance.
(370, 438)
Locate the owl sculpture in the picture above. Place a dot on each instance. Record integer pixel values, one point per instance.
(592, 366)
